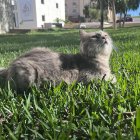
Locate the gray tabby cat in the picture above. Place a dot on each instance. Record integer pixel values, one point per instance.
(41, 64)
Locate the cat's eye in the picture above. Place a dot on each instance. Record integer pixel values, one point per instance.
(98, 35)
(94, 36)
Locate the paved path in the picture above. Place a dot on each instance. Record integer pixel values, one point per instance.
(97, 24)
(136, 20)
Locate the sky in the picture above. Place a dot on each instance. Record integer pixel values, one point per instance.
(134, 13)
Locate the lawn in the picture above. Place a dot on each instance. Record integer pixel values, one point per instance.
(97, 111)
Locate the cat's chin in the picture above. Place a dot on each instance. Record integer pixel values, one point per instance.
(104, 44)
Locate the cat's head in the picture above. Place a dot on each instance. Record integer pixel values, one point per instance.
(95, 43)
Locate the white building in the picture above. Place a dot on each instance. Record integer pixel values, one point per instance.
(36, 14)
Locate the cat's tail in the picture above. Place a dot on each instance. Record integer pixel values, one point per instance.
(3, 77)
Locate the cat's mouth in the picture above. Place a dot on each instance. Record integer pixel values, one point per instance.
(104, 39)
(104, 42)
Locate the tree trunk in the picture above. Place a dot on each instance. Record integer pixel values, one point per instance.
(102, 14)
(114, 14)
(6, 16)
(120, 23)
(125, 13)
(123, 20)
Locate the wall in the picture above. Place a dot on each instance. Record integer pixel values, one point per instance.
(25, 14)
(71, 9)
(53, 12)
(40, 10)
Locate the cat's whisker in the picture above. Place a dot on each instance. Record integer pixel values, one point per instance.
(115, 48)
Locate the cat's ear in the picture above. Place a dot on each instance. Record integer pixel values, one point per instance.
(82, 34)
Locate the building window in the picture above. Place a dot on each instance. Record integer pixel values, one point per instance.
(74, 11)
(42, 1)
(57, 5)
(74, 3)
(43, 17)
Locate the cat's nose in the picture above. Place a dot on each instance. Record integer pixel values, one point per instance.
(103, 37)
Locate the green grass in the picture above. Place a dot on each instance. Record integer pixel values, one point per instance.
(98, 111)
